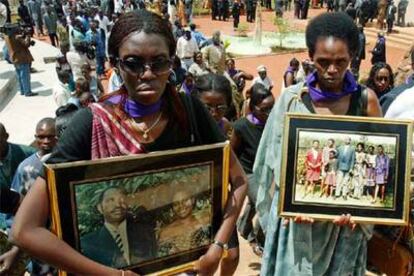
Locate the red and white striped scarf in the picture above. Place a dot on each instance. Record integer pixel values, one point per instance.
(112, 135)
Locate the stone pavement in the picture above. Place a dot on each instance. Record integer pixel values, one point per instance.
(20, 114)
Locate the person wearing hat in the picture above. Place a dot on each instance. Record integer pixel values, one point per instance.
(186, 48)
(262, 78)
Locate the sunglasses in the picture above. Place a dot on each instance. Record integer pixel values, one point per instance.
(222, 108)
(136, 66)
(382, 78)
(265, 111)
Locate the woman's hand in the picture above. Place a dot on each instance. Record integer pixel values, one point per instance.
(7, 260)
(209, 262)
(345, 220)
(298, 219)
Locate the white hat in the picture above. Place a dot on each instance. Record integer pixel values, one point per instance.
(261, 68)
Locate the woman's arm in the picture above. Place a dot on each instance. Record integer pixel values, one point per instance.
(30, 234)
(373, 106)
(209, 262)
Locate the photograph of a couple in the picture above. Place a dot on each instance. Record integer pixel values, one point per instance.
(345, 168)
(135, 219)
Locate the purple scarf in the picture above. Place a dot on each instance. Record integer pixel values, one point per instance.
(221, 125)
(187, 89)
(254, 120)
(134, 109)
(232, 72)
(350, 86)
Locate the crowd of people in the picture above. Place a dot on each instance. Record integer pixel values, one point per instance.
(138, 77)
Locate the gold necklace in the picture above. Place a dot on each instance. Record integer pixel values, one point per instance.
(145, 132)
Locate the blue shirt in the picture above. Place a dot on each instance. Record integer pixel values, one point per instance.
(199, 37)
(98, 38)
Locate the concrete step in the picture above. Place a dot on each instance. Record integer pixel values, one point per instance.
(8, 80)
(397, 40)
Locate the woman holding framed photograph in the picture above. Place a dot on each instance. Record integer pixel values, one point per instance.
(146, 114)
(302, 246)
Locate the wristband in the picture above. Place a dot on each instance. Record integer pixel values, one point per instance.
(223, 246)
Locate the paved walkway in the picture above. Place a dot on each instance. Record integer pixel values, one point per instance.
(20, 114)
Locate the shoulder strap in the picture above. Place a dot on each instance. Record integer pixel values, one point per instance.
(188, 104)
(364, 100)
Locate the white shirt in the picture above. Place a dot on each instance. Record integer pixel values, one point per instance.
(402, 106)
(115, 82)
(314, 153)
(61, 94)
(196, 70)
(76, 62)
(186, 48)
(103, 23)
(122, 230)
(266, 82)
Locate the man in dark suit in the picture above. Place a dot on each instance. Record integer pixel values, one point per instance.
(360, 54)
(346, 161)
(120, 242)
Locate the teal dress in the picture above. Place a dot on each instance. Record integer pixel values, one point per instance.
(321, 248)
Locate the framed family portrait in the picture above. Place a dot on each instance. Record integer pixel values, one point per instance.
(151, 213)
(333, 165)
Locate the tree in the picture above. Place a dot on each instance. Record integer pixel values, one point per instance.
(282, 27)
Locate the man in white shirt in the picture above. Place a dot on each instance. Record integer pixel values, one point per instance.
(61, 92)
(186, 48)
(263, 78)
(103, 22)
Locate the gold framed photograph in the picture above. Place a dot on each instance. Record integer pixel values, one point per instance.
(146, 213)
(333, 165)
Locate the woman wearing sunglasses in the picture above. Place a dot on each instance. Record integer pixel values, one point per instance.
(381, 79)
(146, 114)
(214, 92)
(245, 139)
(301, 246)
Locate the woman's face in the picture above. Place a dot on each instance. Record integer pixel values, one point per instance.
(359, 148)
(382, 80)
(262, 110)
(148, 87)
(331, 60)
(199, 58)
(215, 103)
(183, 204)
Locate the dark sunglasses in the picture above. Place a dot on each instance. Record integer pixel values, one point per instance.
(136, 66)
(265, 111)
(218, 108)
(382, 78)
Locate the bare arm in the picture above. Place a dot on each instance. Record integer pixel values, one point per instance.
(30, 234)
(210, 261)
(373, 106)
(289, 78)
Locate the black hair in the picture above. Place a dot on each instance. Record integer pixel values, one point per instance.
(258, 93)
(373, 73)
(332, 140)
(102, 194)
(64, 115)
(315, 141)
(139, 21)
(371, 147)
(45, 121)
(192, 26)
(63, 74)
(294, 62)
(362, 145)
(337, 25)
(380, 146)
(215, 83)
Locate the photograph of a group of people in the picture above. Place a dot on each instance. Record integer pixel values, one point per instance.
(341, 168)
(131, 220)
